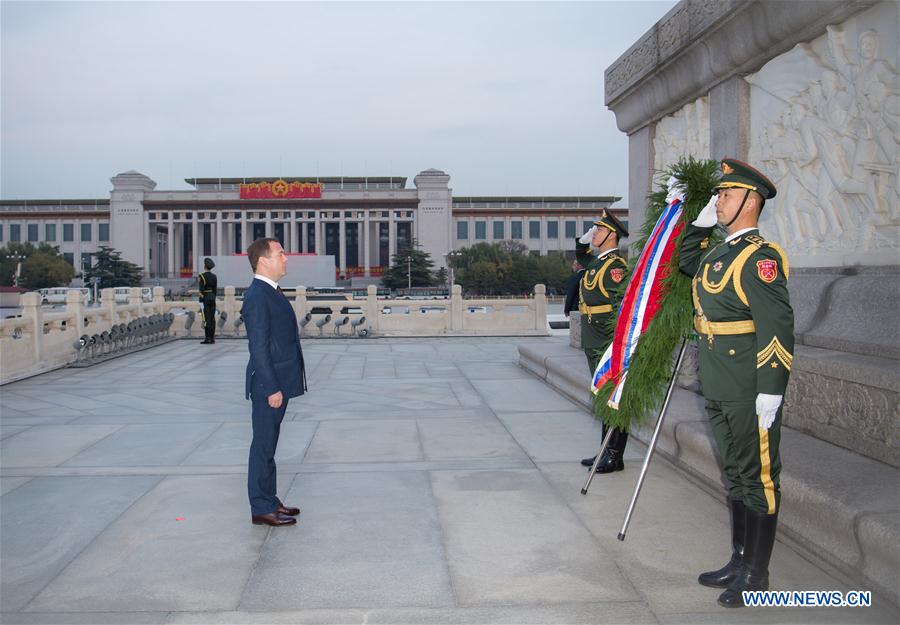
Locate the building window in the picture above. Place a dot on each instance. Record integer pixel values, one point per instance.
(516, 227)
(32, 232)
(68, 232)
(69, 257)
(498, 230)
(570, 229)
(462, 229)
(50, 232)
(552, 229)
(103, 232)
(85, 260)
(15, 232)
(480, 230)
(587, 225)
(534, 230)
(85, 232)
(1, 232)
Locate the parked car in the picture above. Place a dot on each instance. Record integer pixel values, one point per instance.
(57, 295)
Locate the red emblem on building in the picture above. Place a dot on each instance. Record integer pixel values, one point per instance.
(767, 269)
(617, 274)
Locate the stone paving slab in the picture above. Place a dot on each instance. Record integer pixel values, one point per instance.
(364, 539)
(442, 486)
(148, 560)
(48, 521)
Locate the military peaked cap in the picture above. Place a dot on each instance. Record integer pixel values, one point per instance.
(208, 263)
(738, 174)
(608, 220)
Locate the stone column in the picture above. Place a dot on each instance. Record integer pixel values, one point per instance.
(219, 234)
(293, 235)
(304, 237)
(392, 238)
(318, 233)
(640, 175)
(367, 251)
(75, 307)
(245, 231)
(456, 308)
(170, 245)
(729, 119)
(148, 241)
(195, 242)
(31, 310)
(342, 245)
(540, 308)
(268, 224)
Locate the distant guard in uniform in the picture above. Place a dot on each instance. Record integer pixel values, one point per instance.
(208, 289)
(745, 324)
(597, 303)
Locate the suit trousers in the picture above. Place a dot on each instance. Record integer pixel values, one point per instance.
(262, 483)
(750, 457)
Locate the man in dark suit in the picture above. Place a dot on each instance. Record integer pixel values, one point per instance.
(275, 373)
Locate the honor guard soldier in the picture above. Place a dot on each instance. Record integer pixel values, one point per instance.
(745, 324)
(208, 288)
(603, 274)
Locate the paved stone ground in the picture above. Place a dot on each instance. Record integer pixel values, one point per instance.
(438, 482)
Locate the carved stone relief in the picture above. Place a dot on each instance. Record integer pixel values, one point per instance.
(825, 119)
(684, 133)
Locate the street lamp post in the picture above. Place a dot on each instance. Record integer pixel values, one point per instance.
(451, 256)
(17, 258)
(409, 272)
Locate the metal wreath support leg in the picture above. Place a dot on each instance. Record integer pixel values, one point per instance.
(652, 446)
(600, 453)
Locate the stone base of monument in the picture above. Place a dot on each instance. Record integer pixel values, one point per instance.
(840, 509)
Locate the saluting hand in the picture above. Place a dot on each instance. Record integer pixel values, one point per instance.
(275, 399)
(588, 236)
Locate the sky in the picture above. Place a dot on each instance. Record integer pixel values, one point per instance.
(506, 97)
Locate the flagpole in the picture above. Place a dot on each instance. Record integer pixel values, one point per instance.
(652, 446)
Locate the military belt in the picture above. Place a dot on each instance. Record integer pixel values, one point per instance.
(584, 309)
(713, 328)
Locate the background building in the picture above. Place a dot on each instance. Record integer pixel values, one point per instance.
(360, 221)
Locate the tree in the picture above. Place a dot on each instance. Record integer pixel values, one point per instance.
(112, 271)
(418, 270)
(42, 266)
(441, 276)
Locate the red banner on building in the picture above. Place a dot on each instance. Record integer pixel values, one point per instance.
(280, 189)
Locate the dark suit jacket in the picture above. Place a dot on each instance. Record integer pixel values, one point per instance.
(276, 359)
(572, 292)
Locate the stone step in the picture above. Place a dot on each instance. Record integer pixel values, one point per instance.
(840, 509)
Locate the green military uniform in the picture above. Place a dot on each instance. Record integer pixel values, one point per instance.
(596, 301)
(745, 323)
(598, 304)
(208, 288)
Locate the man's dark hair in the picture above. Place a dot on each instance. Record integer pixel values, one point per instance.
(258, 248)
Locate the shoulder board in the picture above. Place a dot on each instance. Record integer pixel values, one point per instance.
(755, 239)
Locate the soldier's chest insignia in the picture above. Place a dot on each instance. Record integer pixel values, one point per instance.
(767, 270)
(717, 266)
(617, 274)
(592, 272)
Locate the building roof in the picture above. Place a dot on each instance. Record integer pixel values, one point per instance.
(569, 199)
(322, 179)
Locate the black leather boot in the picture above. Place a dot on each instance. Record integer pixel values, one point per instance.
(724, 576)
(612, 459)
(754, 573)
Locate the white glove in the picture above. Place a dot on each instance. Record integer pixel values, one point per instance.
(588, 236)
(767, 408)
(675, 190)
(707, 217)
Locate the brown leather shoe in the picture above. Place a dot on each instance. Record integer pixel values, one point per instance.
(288, 510)
(275, 519)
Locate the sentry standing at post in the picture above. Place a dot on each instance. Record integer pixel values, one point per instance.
(208, 288)
(597, 304)
(743, 316)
